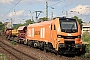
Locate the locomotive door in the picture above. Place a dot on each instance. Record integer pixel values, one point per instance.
(54, 35)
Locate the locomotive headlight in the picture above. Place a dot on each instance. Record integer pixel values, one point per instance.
(58, 40)
(59, 36)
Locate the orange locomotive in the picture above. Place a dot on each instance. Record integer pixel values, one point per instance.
(60, 34)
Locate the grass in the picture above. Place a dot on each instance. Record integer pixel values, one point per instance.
(13, 42)
(41, 58)
(2, 56)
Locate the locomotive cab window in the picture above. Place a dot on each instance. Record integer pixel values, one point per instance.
(54, 27)
(68, 25)
(51, 27)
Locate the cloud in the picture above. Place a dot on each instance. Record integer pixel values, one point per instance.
(33, 1)
(41, 0)
(16, 13)
(27, 1)
(28, 14)
(58, 4)
(19, 13)
(81, 9)
(6, 1)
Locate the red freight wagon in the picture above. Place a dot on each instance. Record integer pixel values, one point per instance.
(21, 33)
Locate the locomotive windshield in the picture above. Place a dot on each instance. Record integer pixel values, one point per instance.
(68, 25)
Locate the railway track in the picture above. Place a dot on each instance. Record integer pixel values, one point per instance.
(19, 55)
(41, 55)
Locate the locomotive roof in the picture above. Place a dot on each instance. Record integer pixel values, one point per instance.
(64, 18)
(41, 23)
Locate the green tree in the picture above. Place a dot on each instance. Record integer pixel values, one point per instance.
(27, 22)
(44, 19)
(2, 27)
(79, 20)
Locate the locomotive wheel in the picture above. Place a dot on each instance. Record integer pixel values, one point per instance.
(18, 41)
(46, 48)
(41, 46)
(35, 45)
(25, 43)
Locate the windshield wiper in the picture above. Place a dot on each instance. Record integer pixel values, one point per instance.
(72, 26)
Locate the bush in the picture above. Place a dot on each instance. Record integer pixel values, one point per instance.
(13, 42)
(87, 48)
(86, 55)
(86, 38)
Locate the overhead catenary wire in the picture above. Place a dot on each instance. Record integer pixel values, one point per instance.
(54, 4)
(32, 12)
(57, 2)
(49, 6)
(11, 9)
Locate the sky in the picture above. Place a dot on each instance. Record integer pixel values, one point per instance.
(21, 10)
